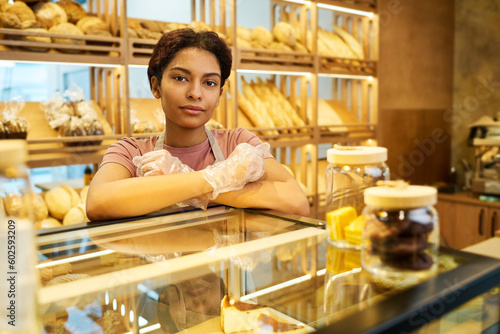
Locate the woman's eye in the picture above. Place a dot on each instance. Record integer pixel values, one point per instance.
(212, 83)
(179, 78)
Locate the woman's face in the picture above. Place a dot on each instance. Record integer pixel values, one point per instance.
(190, 89)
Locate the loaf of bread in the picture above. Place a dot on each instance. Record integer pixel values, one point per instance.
(49, 14)
(199, 25)
(74, 10)
(21, 10)
(261, 36)
(67, 29)
(285, 33)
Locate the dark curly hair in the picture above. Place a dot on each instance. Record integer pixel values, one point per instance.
(176, 40)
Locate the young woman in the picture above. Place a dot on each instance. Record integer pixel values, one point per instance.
(187, 71)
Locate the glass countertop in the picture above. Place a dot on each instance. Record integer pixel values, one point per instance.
(168, 273)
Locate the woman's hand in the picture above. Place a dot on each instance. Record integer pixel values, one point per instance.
(244, 165)
(159, 162)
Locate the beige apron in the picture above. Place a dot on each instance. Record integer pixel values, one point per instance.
(211, 139)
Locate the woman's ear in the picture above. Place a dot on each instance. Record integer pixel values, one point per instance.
(155, 87)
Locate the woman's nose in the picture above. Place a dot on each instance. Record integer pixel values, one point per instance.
(194, 91)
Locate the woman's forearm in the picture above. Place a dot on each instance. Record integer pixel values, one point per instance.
(138, 196)
(281, 196)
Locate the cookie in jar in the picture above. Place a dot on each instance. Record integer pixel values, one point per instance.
(401, 233)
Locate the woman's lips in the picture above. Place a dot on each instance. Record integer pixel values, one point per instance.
(194, 110)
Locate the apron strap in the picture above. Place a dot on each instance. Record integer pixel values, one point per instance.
(211, 140)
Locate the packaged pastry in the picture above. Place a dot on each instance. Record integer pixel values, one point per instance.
(144, 126)
(49, 14)
(67, 29)
(74, 10)
(14, 205)
(15, 127)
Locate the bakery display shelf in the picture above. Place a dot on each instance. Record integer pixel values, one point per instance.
(332, 65)
(347, 132)
(74, 49)
(363, 5)
(140, 50)
(272, 60)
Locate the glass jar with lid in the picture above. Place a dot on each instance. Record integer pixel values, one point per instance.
(401, 234)
(351, 169)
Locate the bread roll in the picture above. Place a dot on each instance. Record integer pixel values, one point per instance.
(68, 29)
(75, 198)
(48, 222)
(75, 215)
(59, 201)
(49, 14)
(9, 21)
(74, 10)
(92, 22)
(21, 10)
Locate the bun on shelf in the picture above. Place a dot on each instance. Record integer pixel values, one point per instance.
(67, 29)
(48, 222)
(74, 10)
(21, 10)
(49, 14)
(60, 200)
(92, 23)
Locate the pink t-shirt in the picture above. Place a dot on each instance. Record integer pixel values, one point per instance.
(197, 157)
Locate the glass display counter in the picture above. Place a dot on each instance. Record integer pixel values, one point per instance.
(168, 273)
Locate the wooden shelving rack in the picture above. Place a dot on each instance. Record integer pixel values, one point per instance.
(354, 83)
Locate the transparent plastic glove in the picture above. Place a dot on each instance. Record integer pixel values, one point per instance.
(245, 164)
(159, 163)
(162, 163)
